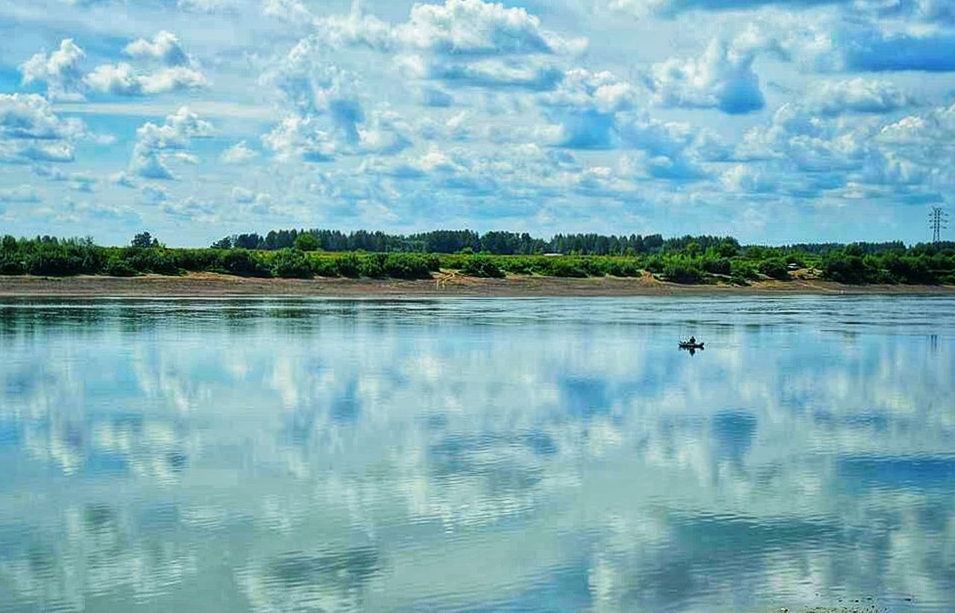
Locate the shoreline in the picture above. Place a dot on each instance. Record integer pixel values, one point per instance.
(210, 285)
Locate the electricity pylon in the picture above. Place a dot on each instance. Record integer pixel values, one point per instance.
(938, 220)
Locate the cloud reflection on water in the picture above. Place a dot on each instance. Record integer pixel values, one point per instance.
(342, 455)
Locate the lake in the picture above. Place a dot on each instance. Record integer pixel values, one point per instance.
(477, 454)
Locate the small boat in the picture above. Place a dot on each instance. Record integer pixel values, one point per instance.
(689, 345)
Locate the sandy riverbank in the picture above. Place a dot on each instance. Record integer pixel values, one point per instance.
(214, 285)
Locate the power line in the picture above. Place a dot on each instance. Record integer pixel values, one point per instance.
(938, 221)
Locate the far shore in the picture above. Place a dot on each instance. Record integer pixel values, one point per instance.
(209, 285)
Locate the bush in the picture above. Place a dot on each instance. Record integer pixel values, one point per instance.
(115, 267)
(683, 270)
(845, 269)
(325, 267)
(11, 264)
(243, 263)
(743, 269)
(53, 263)
(306, 242)
(562, 267)
(478, 266)
(624, 268)
(291, 264)
(349, 266)
(373, 266)
(156, 261)
(197, 260)
(775, 268)
(717, 266)
(409, 266)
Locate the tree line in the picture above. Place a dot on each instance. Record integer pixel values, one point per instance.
(467, 241)
(700, 259)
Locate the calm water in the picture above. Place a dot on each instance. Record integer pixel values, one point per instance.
(477, 455)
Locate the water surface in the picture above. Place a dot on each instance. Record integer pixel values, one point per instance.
(498, 454)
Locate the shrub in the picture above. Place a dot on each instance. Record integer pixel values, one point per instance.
(562, 267)
(325, 267)
(717, 266)
(306, 242)
(197, 260)
(624, 268)
(484, 267)
(54, 263)
(291, 264)
(743, 269)
(373, 265)
(518, 265)
(845, 268)
(409, 266)
(11, 264)
(349, 266)
(683, 270)
(116, 267)
(243, 263)
(775, 268)
(152, 260)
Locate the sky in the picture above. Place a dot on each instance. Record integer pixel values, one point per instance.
(774, 121)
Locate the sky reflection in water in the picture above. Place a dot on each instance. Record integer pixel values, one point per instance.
(477, 454)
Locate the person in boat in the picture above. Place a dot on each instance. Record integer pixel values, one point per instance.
(692, 340)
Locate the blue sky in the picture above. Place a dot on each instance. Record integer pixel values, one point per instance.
(774, 121)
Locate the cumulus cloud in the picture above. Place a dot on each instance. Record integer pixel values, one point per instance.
(156, 145)
(672, 150)
(292, 11)
(935, 126)
(584, 105)
(298, 137)
(31, 131)
(721, 78)
(173, 69)
(165, 47)
(240, 153)
(123, 80)
(858, 95)
(474, 27)
(746, 178)
(60, 70)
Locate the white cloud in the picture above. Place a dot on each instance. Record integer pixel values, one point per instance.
(60, 70)
(174, 70)
(746, 178)
(123, 80)
(298, 137)
(721, 78)
(857, 95)
(165, 48)
(240, 153)
(155, 144)
(474, 27)
(292, 11)
(31, 131)
(584, 104)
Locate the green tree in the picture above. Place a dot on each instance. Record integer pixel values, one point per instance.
(306, 242)
(144, 240)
